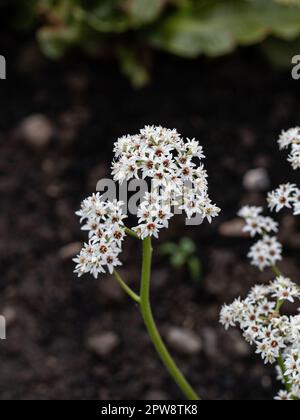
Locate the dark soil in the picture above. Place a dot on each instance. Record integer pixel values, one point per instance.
(236, 107)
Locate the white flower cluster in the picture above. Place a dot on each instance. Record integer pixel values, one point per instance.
(104, 222)
(177, 176)
(285, 196)
(288, 195)
(162, 156)
(267, 251)
(291, 138)
(275, 336)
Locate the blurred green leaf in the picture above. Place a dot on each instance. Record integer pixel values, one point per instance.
(133, 68)
(183, 255)
(187, 246)
(178, 260)
(195, 269)
(219, 28)
(187, 28)
(145, 10)
(168, 248)
(54, 42)
(113, 24)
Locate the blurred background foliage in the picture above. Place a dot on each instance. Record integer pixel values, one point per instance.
(130, 29)
(183, 255)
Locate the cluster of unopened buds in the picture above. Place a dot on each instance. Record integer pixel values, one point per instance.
(177, 180)
(275, 336)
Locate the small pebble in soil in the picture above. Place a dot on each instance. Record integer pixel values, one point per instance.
(233, 229)
(184, 341)
(103, 344)
(54, 190)
(210, 342)
(155, 395)
(37, 130)
(257, 180)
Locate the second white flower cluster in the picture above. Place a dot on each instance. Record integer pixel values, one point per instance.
(268, 250)
(275, 336)
(291, 139)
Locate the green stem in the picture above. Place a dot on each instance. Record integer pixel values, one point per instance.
(126, 288)
(131, 233)
(276, 271)
(280, 360)
(152, 328)
(282, 368)
(279, 305)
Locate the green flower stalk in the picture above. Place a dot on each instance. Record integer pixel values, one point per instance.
(171, 166)
(143, 300)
